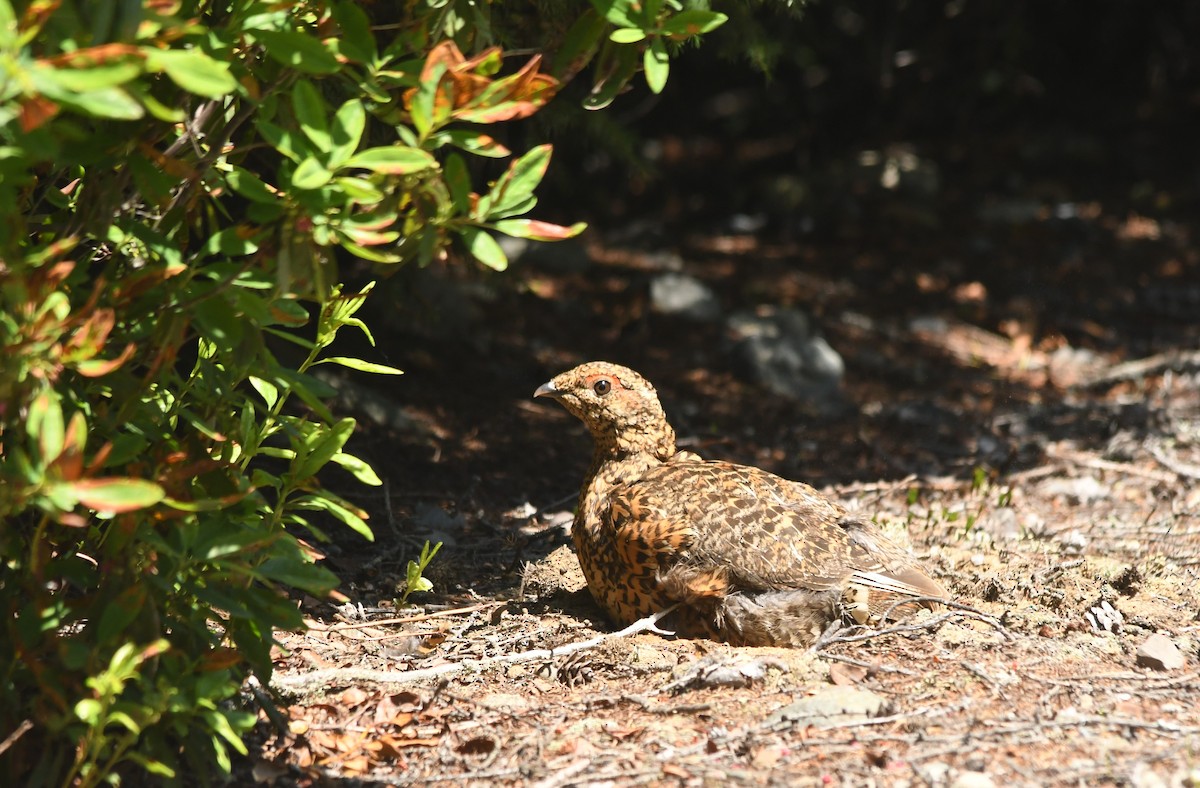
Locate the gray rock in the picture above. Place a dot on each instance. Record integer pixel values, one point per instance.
(1143, 776)
(968, 779)
(679, 294)
(434, 523)
(1073, 542)
(933, 773)
(1159, 652)
(831, 706)
(721, 671)
(780, 350)
(1003, 525)
(1084, 489)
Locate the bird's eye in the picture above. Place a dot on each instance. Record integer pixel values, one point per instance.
(602, 387)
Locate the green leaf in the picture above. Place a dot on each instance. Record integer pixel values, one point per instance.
(517, 184)
(513, 209)
(192, 70)
(82, 80)
(249, 186)
(46, 425)
(116, 495)
(424, 102)
(579, 44)
(322, 445)
(656, 65)
(297, 50)
(372, 254)
(299, 574)
(265, 389)
(311, 174)
(627, 35)
(617, 66)
(361, 366)
(230, 242)
(483, 247)
(311, 113)
(287, 142)
(693, 22)
(113, 103)
(392, 160)
(361, 190)
(458, 181)
(348, 125)
(122, 718)
(617, 12)
(88, 711)
(8, 25)
(341, 512)
(218, 542)
(356, 29)
(359, 468)
(121, 612)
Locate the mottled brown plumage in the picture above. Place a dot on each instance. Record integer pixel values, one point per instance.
(752, 558)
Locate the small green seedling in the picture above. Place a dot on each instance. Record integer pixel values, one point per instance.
(415, 579)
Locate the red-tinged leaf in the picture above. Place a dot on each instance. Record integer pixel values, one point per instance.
(486, 63)
(35, 112)
(96, 368)
(89, 338)
(693, 22)
(365, 237)
(447, 54)
(515, 187)
(510, 110)
(219, 659)
(45, 423)
(96, 55)
(479, 144)
(374, 255)
(538, 231)
(116, 495)
(378, 222)
(154, 649)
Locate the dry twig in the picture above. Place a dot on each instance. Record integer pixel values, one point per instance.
(1142, 368)
(319, 679)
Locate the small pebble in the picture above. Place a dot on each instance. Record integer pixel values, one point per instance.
(1160, 653)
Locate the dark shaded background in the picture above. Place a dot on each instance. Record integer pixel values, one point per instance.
(1028, 169)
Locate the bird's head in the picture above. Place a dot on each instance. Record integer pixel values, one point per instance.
(619, 407)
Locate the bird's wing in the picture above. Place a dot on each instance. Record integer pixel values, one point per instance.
(754, 531)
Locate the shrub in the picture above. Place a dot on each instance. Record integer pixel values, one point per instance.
(180, 180)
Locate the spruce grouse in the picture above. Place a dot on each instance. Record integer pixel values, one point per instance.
(750, 558)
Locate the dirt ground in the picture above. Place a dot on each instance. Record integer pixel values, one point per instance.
(990, 415)
(994, 423)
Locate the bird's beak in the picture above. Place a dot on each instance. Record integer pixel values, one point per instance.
(547, 390)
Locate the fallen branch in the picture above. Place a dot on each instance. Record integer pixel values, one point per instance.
(831, 636)
(1142, 368)
(317, 679)
(1172, 464)
(1098, 464)
(403, 619)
